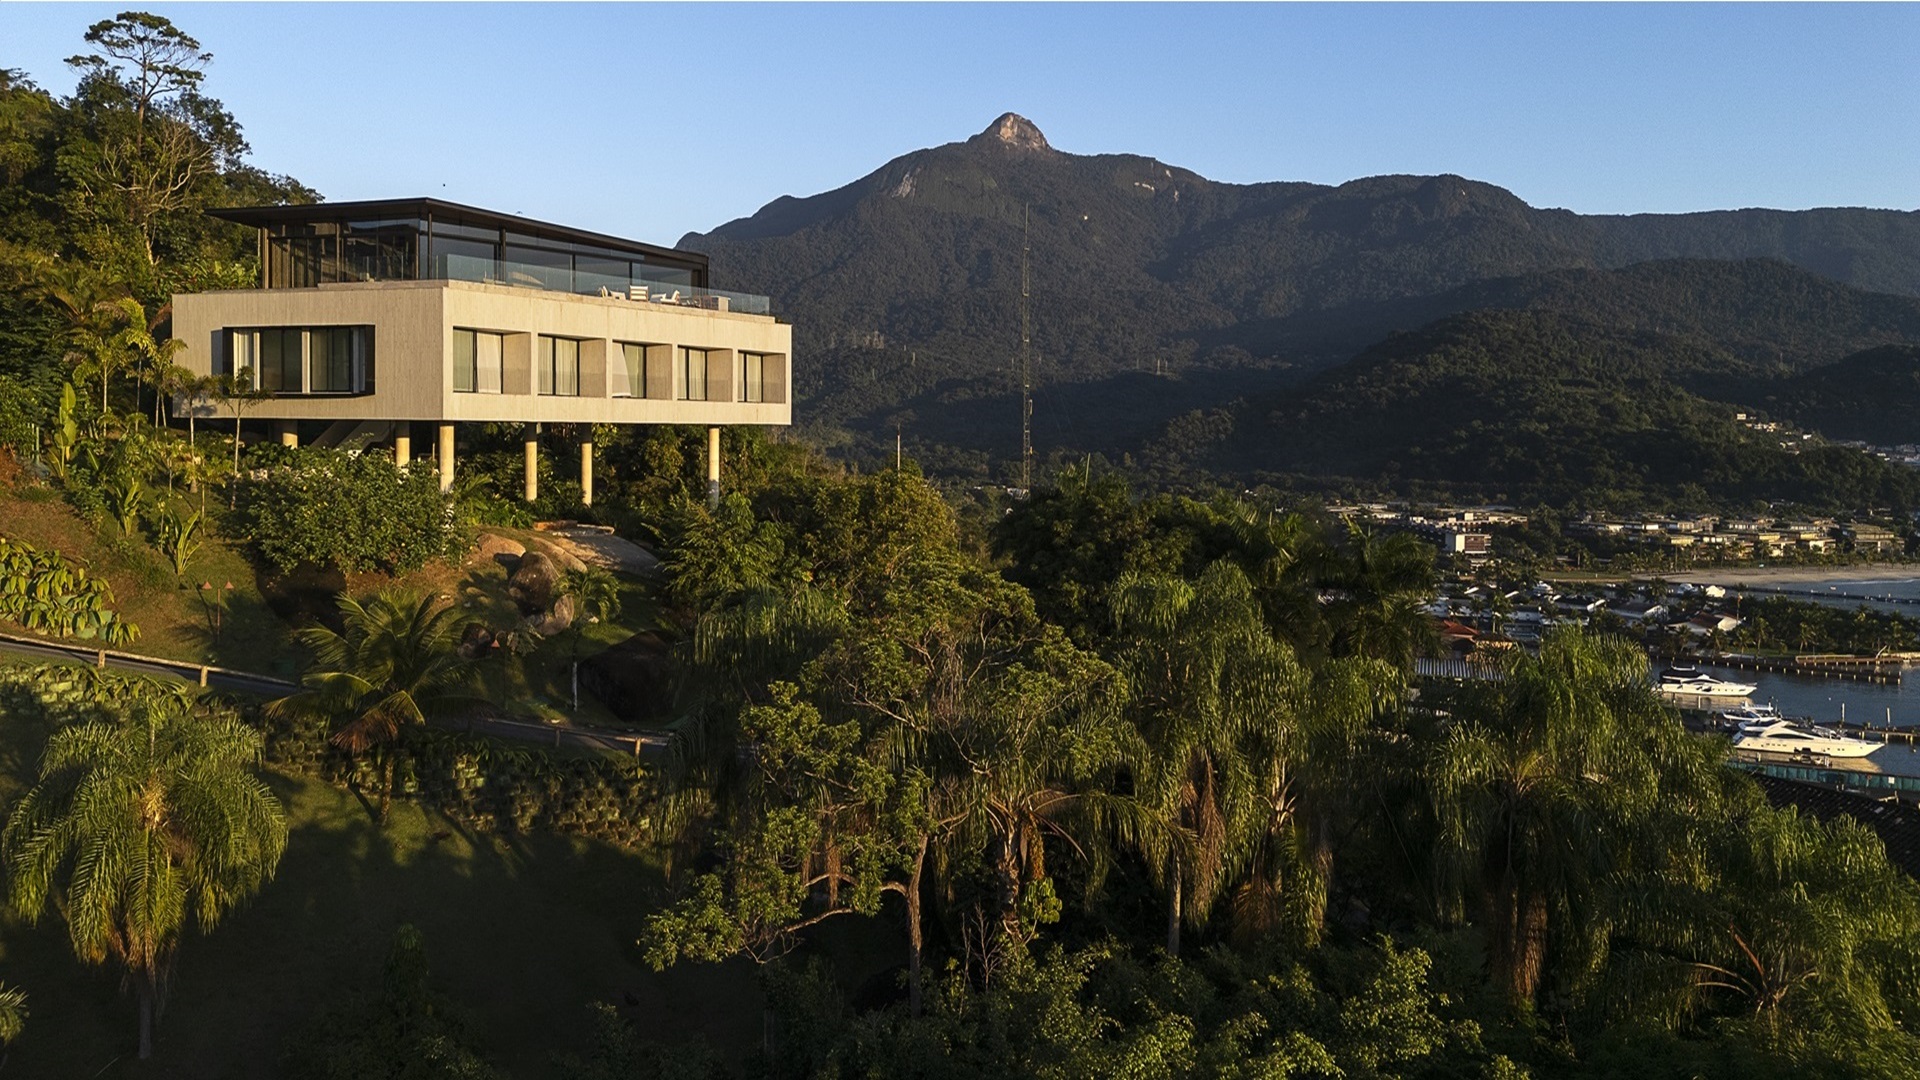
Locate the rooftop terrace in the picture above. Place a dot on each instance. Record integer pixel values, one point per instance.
(303, 246)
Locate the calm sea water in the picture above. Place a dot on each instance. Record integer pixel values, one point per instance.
(1823, 699)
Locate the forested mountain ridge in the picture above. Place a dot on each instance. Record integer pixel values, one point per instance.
(1533, 406)
(904, 285)
(1872, 396)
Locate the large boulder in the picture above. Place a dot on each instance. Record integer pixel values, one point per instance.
(565, 560)
(549, 623)
(475, 641)
(494, 548)
(534, 583)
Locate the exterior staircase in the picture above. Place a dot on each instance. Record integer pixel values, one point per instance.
(354, 436)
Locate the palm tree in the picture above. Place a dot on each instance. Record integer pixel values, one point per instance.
(1535, 779)
(391, 666)
(154, 353)
(1280, 553)
(238, 391)
(96, 311)
(1765, 913)
(1379, 585)
(13, 1016)
(137, 821)
(1213, 697)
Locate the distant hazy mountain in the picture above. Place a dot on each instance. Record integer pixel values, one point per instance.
(1155, 291)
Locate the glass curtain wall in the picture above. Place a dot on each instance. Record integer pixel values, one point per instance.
(301, 254)
(328, 252)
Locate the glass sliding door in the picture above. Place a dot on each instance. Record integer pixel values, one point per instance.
(631, 379)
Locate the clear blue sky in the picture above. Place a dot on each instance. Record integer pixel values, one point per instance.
(653, 120)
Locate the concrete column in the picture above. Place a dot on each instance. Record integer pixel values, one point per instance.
(713, 466)
(402, 443)
(445, 454)
(586, 471)
(288, 431)
(533, 461)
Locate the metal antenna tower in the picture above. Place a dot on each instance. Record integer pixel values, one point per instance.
(1026, 360)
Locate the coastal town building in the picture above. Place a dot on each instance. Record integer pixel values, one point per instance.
(378, 322)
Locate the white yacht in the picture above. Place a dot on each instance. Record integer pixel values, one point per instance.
(1801, 739)
(1745, 716)
(1693, 682)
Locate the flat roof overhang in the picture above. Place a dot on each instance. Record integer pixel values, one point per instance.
(441, 210)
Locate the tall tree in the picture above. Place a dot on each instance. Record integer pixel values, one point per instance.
(139, 821)
(1378, 585)
(153, 144)
(1537, 782)
(943, 728)
(1214, 696)
(390, 666)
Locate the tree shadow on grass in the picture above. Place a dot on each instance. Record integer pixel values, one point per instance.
(523, 931)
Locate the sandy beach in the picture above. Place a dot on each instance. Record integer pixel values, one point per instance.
(1777, 576)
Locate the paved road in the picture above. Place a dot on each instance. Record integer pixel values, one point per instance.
(557, 735)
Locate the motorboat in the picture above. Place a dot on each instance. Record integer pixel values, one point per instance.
(1744, 716)
(1692, 682)
(1801, 739)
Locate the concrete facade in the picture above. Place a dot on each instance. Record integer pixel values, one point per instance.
(413, 325)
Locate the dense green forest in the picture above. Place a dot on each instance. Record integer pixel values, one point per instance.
(1872, 396)
(1537, 407)
(922, 781)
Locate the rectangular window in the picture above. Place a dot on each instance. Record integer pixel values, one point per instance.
(464, 376)
(303, 360)
(750, 382)
(240, 354)
(558, 361)
(634, 381)
(280, 361)
(477, 361)
(690, 381)
(337, 360)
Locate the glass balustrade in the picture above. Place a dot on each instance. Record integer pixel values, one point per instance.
(453, 266)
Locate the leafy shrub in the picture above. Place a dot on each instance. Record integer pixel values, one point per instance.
(41, 590)
(357, 511)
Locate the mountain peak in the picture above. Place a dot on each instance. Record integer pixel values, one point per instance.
(1014, 131)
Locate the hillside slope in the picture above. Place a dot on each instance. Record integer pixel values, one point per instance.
(1872, 396)
(1533, 405)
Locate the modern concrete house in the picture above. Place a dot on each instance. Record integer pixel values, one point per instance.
(374, 320)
